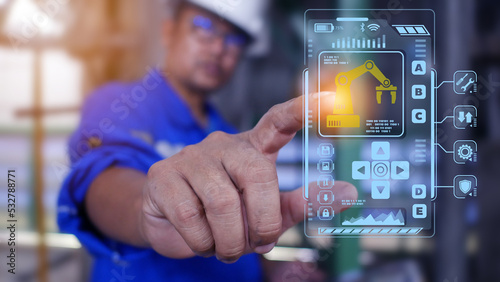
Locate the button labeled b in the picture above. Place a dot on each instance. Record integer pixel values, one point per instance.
(419, 92)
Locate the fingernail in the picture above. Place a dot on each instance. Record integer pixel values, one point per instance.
(226, 260)
(205, 254)
(264, 249)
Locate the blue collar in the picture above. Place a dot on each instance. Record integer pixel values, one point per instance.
(179, 111)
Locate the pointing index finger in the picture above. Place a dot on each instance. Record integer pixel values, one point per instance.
(279, 125)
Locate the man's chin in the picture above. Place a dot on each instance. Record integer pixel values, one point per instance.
(208, 85)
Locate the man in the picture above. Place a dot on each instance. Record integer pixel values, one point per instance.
(148, 213)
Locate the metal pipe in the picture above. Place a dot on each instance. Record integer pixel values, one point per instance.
(38, 136)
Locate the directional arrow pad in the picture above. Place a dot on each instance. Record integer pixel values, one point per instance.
(381, 169)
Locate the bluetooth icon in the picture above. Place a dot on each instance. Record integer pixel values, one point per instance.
(362, 27)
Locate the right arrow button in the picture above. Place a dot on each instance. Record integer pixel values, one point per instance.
(400, 170)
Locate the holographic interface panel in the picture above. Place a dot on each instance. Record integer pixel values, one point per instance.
(375, 123)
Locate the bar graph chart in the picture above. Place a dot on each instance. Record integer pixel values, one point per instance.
(360, 43)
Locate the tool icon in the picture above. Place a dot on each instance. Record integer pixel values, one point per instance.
(461, 85)
(461, 79)
(464, 88)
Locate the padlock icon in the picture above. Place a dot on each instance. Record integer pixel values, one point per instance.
(325, 213)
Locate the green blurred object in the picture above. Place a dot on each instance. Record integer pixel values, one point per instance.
(347, 253)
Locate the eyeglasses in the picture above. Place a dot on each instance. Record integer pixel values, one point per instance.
(207, 31)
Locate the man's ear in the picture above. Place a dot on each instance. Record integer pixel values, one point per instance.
(168, 32)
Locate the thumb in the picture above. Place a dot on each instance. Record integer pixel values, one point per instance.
(293, 207)
(279, 125)
(293, 204)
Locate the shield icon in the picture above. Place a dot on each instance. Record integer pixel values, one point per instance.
(465, 186)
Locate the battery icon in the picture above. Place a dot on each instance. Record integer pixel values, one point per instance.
(323, 27)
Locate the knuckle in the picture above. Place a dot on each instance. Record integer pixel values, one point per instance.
(217, 135)
(203, 245)
(280, 121)
(279, 124)
(276, 113)
(189, 217)
(260, 170)
(220, 203)
(155, 170)
(274, 110)
(161, 171)
(156, 176)
(259, 163)
(189, 151)
(216, 142)
(188, 214)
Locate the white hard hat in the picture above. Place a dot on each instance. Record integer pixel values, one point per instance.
(248, 15)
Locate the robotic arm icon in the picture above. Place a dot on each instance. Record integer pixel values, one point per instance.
(343, 112)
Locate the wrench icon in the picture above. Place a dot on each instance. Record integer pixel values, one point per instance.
(471, 80)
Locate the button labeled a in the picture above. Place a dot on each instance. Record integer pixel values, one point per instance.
(418, 67)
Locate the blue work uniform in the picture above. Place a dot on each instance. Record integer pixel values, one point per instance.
(133, 126)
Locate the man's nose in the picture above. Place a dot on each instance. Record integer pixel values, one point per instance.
(218, 46)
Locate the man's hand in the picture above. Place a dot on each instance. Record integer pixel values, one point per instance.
(219, 197)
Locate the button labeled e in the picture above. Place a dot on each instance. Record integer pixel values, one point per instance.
(419, 211)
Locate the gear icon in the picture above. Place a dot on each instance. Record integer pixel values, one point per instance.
(465, 152)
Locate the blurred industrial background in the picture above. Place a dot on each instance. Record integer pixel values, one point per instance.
(55, 52)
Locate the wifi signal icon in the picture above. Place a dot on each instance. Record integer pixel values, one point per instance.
(373, 27)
